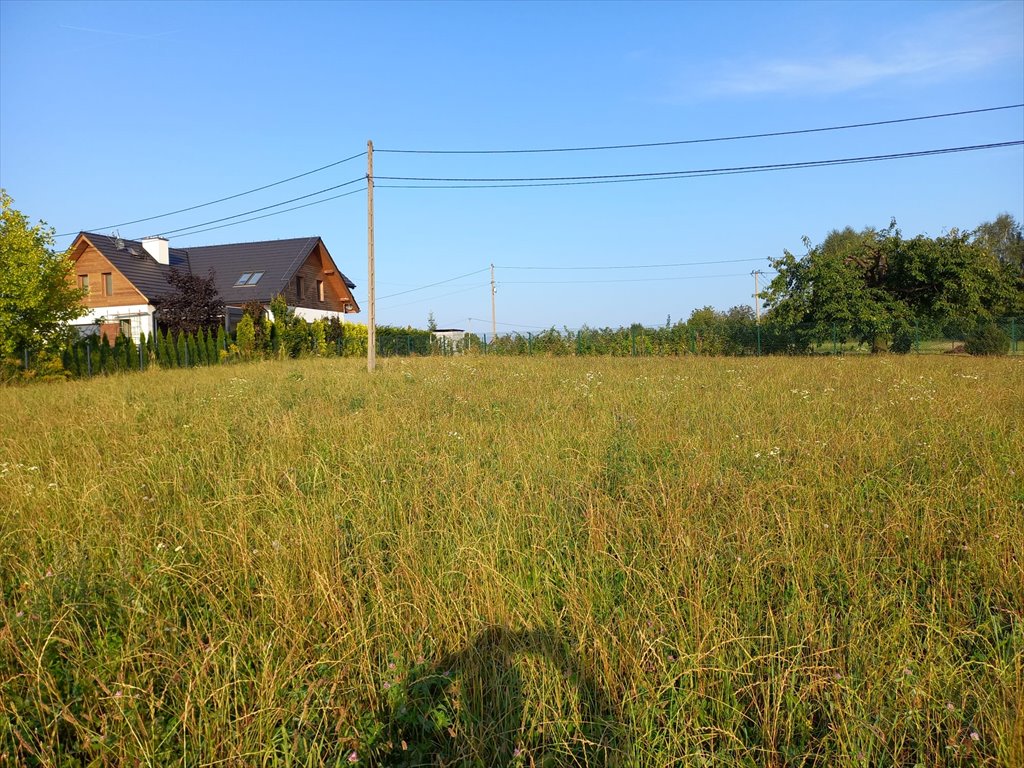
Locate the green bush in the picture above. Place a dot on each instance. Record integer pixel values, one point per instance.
(988, 339)
(245, 336)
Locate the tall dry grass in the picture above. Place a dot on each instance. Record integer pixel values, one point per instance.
(485, 561)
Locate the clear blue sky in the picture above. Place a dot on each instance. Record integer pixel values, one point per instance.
(116, 111)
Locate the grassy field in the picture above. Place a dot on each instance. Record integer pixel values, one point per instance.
(479, 561)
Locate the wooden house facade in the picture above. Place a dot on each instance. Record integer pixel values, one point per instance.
(126, 278)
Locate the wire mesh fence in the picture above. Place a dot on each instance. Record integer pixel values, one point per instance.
(737, 338)
(95, 355)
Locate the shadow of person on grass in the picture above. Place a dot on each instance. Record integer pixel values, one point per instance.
(472, 708)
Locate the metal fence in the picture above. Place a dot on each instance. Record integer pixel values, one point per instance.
(93, 355)
(999, 336)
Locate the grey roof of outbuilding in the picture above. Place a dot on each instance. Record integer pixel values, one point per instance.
(277, 259)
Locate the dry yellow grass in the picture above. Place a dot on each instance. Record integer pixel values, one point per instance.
(482, 561)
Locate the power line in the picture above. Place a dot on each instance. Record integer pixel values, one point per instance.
(431, 285)
(275, 213)
(265, 207)
(614, 177)
(698, 141)
(220, 200)
(626, 280)
(475, 287)
(645, 266)
(513, 325)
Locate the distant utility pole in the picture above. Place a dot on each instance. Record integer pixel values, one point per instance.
(371, 319)
(757, 303)
(494, 316)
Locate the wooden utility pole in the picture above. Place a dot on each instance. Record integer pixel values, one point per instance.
(757, 303)
(494, 316)
(371, 318)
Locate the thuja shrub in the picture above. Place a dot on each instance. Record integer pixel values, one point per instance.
(182, 349)
(212, 357)
(245, 336)
(987, 339)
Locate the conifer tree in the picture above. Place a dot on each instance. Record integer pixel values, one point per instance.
(114, 359)
(104, 354)
(319, 338)
(201, 347)
(163, 356)
(212, 357)
(172, 350)
(182, 345)
(143, 351)
(222, 341)
(193, 350)
(131, 354)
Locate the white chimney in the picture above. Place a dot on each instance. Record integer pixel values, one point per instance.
(158, 248)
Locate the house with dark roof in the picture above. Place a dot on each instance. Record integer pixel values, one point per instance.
(124, 277)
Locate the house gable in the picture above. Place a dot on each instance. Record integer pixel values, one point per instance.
(90, 262)
(318, 284)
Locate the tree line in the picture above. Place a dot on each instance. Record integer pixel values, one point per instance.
(880, 288)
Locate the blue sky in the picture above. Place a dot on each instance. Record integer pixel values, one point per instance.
(111, 112)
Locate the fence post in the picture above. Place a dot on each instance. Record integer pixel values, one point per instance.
(529, 343)
(26, 357)
(1013, 333)
(758, 340)
(88, 357)
(140, 355)
(632, 342)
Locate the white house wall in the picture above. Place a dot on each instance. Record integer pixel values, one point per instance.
(140, 315)
(309, 315)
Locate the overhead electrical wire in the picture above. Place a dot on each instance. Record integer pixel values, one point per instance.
(623, 280)
(697, 141)
(431, 285)
(642, 266)
(522, 282)
(220, 200)
(274, 213)
(265, 207)
(565, 181)
(511, 325)
(608, 178)
(432, 298)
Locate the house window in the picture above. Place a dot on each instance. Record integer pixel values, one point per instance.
(320, 290)
(298, 286)
(126, 327)
(249, 278)
(83, 282)
(108, 284)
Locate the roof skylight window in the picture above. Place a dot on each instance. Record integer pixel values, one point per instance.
(244, 278)
(255, 278)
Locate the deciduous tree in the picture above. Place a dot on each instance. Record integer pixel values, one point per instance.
(191, 303)
(874, 285)
(37, 296)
